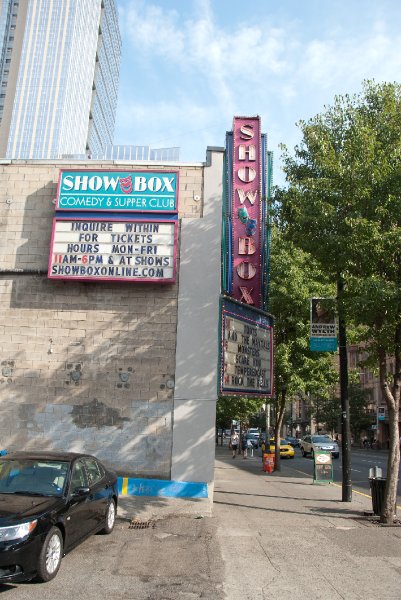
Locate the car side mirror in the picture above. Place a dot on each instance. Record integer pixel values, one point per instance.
(81, 491)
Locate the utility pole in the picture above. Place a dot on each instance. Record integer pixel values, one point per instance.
(345, 423)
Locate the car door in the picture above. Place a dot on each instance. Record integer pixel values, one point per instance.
(78, 518)
(307, 444)
(100, 491)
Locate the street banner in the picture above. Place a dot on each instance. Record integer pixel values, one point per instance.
(323, 325)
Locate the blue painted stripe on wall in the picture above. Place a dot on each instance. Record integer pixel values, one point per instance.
(168, 489)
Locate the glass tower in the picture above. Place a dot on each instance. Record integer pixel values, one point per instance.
(59, 70)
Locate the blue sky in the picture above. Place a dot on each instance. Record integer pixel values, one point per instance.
(189, 66)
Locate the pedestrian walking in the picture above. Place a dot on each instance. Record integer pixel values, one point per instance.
(244, 446)
(234, 440)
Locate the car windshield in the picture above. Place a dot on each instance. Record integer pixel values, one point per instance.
(321, 438)
(252, 436)
(32, 477)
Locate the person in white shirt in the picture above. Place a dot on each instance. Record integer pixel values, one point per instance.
(234, 440)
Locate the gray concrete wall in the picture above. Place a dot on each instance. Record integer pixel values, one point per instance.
(197, 334)
(51, 330)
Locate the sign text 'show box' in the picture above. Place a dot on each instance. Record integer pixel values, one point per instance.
(125, 191)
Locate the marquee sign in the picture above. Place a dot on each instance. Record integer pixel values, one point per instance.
(113, 249)
(246, 353)
(125, 191)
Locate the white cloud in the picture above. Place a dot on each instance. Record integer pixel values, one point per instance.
(283, 70)
(170, 123)
(259, 54)
(221, 57)
(151, 30)
(338, 63)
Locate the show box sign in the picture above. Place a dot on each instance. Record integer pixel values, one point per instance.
(113, 250)
(246, 354)
(126, 191)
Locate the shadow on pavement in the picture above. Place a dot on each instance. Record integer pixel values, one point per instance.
(217, 491)
(335, 513)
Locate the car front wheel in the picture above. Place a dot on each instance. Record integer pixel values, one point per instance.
(303, 452)
(50, 555)
(110, 518)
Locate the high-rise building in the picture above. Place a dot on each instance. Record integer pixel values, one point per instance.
(59, 71)
(124, 152)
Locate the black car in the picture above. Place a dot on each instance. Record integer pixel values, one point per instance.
(293, 441)
(49, 503)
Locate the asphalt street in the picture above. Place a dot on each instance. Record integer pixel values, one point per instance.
(361, 462)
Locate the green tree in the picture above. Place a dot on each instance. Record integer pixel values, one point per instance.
(236, 408)
(343, 205)
(295, 278)
(359, 400)
(327, 410)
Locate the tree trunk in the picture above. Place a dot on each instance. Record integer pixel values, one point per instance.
(277, 430)
(393, 463)
(392, 398)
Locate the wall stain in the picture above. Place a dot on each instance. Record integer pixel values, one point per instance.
(96, 414)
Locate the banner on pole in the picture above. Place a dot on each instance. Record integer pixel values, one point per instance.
(323, 329)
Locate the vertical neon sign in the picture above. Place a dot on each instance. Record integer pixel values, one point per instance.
(246, 212)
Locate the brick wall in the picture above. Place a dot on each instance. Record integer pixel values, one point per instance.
(83, 366)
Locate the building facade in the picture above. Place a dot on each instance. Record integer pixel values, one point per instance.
(59, 75)
(123, 370)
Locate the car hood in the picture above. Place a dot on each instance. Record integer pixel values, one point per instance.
(16, 507)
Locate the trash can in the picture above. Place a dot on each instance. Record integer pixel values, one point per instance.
(377, 487)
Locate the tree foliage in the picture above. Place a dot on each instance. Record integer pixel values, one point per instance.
(237, 408)
(343, 205)
(295, 278)
(327, 410)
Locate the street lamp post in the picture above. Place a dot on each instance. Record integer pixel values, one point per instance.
(267, 420)
(345, 413)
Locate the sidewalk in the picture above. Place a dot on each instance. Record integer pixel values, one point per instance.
(282, 537)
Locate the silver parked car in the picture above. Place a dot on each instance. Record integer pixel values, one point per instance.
(312, 443)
